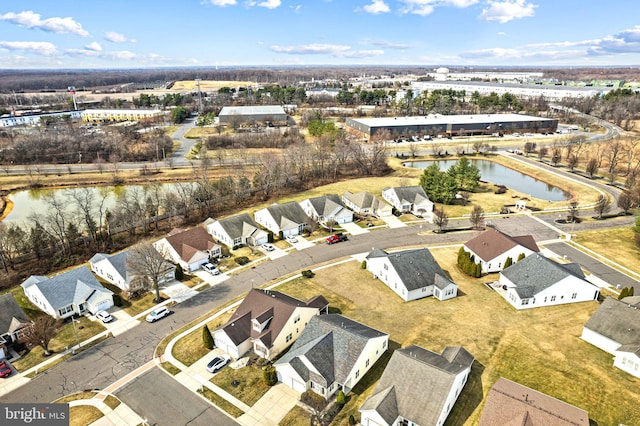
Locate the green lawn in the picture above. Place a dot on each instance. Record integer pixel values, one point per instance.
(539, 348)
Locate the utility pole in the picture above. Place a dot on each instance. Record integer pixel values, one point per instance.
(199, 96)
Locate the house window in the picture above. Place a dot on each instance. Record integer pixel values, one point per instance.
(545, 299)
(386, 267)
(384, 344)
(65, 310)
(424, 289)
(297, 318)
(574, 295)
(366, 364)
(553, 298)
(289, 337)
(357, 374)
(524, 302)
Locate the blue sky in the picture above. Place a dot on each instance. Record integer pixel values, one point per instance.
(144, 33)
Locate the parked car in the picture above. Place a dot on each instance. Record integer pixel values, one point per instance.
(104, 316)
(157, 314)
(336, 238)
(291, 239)
(217, 363)
(211, 268)
(5, 370)
(268, 247)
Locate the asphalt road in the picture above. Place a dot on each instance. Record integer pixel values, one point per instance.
(161, 400)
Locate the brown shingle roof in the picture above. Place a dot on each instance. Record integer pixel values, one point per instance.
(510, 403)
(188, 242)
(492, 243)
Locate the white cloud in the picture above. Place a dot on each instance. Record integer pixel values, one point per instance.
(390, 45)
(94, 45)
(269, 4)
(296, 8)
(335, 50)
(115, 37)
(121, 54)
(376, 7)
(222, 3)
(40, 47)
(427, 7)
(505, 11)
(30, 19)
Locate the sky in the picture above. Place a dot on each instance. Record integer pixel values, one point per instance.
(169, 33)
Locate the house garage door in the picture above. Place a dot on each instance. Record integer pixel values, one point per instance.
(297, 386)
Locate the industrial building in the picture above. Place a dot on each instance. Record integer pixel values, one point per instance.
(35, 119)
(268, 114)
(116, 115)
(451, 125)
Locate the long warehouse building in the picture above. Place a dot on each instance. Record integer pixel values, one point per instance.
(451, 125)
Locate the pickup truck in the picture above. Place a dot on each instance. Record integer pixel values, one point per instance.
(336, 238)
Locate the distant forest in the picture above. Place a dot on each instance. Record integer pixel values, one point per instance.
(51, 80)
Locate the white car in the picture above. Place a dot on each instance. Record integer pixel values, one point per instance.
(157, 314)
(211, 268)
(217, 363)
(268, 247)
(291, 239)
(104, 316)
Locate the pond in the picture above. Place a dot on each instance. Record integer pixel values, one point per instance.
(501, 175)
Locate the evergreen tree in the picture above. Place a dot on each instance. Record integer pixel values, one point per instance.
(507, 263)
(207, 338)
(521, 256)
(179, 272)
(340, 398)
(623, 293)
(631, 291)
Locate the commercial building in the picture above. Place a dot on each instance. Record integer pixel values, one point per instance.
(116, 115)
(273, 114)
(451, 125)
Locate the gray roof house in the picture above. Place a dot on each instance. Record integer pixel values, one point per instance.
(237, 230)
(614, 328)
(288, 218)
(326, 208)
(75, 292)
(411, 274)
(367, 204)
(537, 281)
(113, 268)
(333, 353)
(418, 387)
(409, 199)
(14, 323)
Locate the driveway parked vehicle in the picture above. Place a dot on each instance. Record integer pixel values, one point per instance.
(217, 363)
(211, 268)
(5, 370)
(291, 239)
(157, 314)
(104, 316)
(268, 247)
(336, 238)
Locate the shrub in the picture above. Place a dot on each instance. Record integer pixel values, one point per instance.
(313, 400)
(521, 256)
(623, 293)
(364, 264)
(340, 398)
(207, 338)
(179, 273)
(117, 300)
(308, 273)
(242, 260)
(352, 420)
(269, 375)
(507, 263)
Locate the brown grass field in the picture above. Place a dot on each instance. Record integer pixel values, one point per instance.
(539, 348)
(603, 242)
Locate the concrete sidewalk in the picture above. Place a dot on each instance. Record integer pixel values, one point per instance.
(122, 415)
(271, 408)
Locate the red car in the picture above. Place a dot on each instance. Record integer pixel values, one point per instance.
(336, 238)
(5, 370)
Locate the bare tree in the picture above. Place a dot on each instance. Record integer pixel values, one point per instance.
(477, 217)
(572, 161)
(572, 211)
(603, 205)
(625, 201)
(43, 330)
(592, 166)
(145, 262)
(440, 218)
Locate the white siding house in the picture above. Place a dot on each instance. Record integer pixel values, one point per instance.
(113, 268)
(333, 353)
(409, 199)
(327, 208)
(492, 248)
(418, 387)
(366, 204)
(537, 281)
(614, 329)
(75, 292)
(236, 231)
(411, 274)
(287, 218)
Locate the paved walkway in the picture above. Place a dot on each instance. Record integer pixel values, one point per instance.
(272, 407)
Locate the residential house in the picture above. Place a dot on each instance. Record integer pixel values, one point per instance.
(615, 328)
(537, 281)
(510, 403)
(411, 199)
(333, 353)
(267, 322)
(492, 248)
(366, 204)
(14, 323)
(236, 231)
(327, 208)
(418, 387)
(189, 248)
(283, 219)
(113, 268)
(75, 292)
(411, 274)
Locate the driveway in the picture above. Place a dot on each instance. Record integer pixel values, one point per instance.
(121, 323)
(161, 400)
(354, 228)
(393, 221)
(178, 291)
(272, 407)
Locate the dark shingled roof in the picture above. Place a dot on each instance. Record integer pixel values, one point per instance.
(510, 403)
(617, 320)
(419, 381)
(365, 200)
(262, 305)
(12, 317)
(326, 205)
(239, 225)
(416, 268)
(287, 213)
(332, 344)
(535, 273)
(492, 243)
